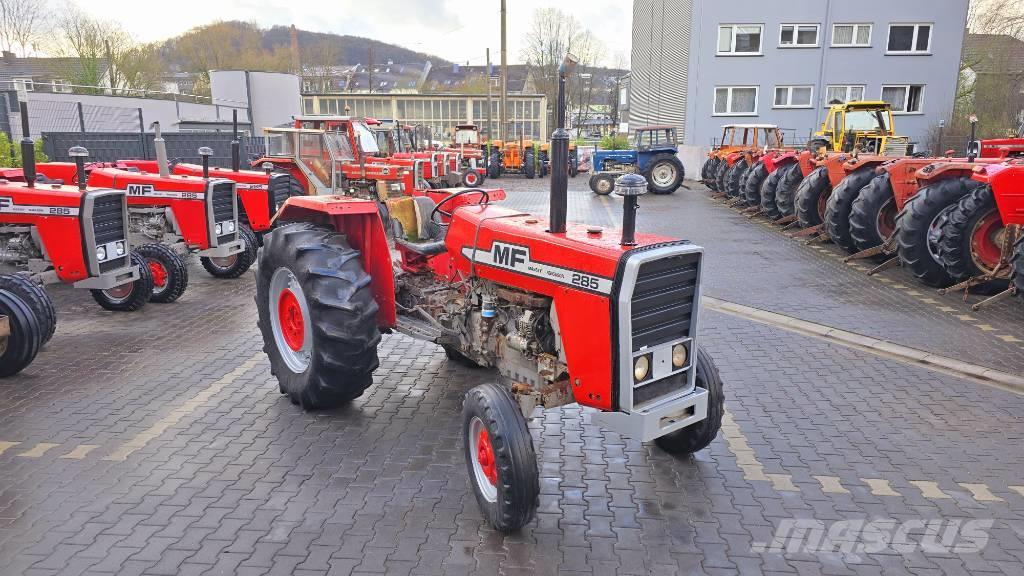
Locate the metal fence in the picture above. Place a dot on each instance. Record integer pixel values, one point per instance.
(111, 146)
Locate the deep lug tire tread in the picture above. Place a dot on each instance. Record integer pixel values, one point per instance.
(698, 436)
(518, 477)
(768, 187)
(37, 299)
(26, 336)
(753, 183)
(785, 192)
(912, 227)
(177, 271)
(954, 246)
(808, 194)
(342, 309)
(1017, 262)
(865, 212)
(529, 165)
(840, 205)
(734, 177)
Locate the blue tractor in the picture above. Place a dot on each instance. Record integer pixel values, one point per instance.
(653, 156)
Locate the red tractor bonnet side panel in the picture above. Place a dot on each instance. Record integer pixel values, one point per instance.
(575, 269)
(903, 177)
(252, 187)
(55, 213)
(1007, 182)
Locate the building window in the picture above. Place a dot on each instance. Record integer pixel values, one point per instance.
(24, 84)
(798, 36)
(904, 99)
(740, 39)
(736, 101)
(851, 35)
(61, 86)
(843, 94)
(793, 96)
(910, 38)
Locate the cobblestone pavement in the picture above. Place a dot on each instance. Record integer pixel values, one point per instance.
(157, 443)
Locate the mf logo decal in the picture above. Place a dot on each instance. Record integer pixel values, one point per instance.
(139, 189)
(8, 206)
(517, 258)
(148, 191)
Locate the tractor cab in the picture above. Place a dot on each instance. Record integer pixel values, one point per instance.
(467, 134)
(655, 137)
(865, 127)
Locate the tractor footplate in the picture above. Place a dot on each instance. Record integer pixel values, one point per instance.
(419, 329)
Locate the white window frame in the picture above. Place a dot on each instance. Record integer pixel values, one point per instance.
(26, 84)
(60, 86)
(728, 100)
(796, 35)
(906, 97)
(789, 97)
(853, 44)
(732, 48)
(863, 88)
(913, 40)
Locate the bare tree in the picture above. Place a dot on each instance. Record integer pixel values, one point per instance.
(552, 34)
(22, 23)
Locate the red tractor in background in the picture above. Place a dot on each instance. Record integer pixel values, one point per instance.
(440, 168)
(563, 313)
(468, 144)
(66, 234)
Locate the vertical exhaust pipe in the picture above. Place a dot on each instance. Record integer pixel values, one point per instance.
(559, 200)
(161, 151)
(236, 147)
(630, 187)
(79, 153)
(973, 147)
(28, 149)
(205, 152)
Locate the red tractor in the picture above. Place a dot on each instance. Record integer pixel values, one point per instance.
(563, 313)
(22, 327)
(440, 168)
(470, 147)
(979, 242)
(66, 234)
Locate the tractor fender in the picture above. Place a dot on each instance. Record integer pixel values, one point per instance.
(359, 220)
(1007, 182)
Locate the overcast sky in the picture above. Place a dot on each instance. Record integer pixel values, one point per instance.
(457, 30)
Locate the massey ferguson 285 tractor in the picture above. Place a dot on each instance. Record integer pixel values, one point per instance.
(563, 313)
(66, 234)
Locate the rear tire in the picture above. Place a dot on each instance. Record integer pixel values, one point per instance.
(918, 224)
(811, 196)
(574, 164)
(710, 179)
(768, 205)
(733, 177)
(317, 315)
(664, 174)
(696, 437)
(1017, 263)
(128, 297)
(36, 298)
(170, 275)
(500, 458)
(785, 192)
(235, 265)
(873, 215)
(602, 184)
(957, 238)
(26, 336)
(529, 165)
(720, 174)
(494, 165)
(840, 205)
(752, 187)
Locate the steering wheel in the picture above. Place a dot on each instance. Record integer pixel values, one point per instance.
(485, 199)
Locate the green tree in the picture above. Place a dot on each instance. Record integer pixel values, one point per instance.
(6, 151)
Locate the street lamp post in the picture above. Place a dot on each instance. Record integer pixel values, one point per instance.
(559, 199)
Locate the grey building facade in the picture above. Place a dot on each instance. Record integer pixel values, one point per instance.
(782, 63)
(659, 64)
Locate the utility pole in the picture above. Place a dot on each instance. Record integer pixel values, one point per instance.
(490, 125)
(369, 69)
(503, 109)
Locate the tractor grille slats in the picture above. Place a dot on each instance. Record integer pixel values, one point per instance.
(662, 302)
(223, 202)
(108, 218)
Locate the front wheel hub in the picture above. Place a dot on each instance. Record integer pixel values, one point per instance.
(485, 469)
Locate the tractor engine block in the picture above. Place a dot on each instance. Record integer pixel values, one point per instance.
(151, 223)
(17, 245)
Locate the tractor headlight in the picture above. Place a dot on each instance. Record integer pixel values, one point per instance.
(231, 226)
(119, 248)
(641, 367)
(218, 229)
(101, 253)
(679, 355)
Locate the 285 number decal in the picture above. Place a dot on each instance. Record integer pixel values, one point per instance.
(585, 281)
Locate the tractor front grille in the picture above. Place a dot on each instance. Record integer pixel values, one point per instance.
(108, 225)
(897, 146)
(222, 199)
(656, 310)
(662, 302)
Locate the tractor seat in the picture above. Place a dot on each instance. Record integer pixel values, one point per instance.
(414, 230)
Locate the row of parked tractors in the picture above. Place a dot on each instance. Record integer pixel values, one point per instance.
(125, 229)
(953, 222)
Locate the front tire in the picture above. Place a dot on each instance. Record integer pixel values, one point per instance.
(696, 437)
(840, 205)
(664, 174)
(235, 265)
(26, 337)
(918, 225)
(36, 298)
(529, 165)
(500, 458)
(602, 184)
(317, 315)
(811, 198)
(128, 297)
(170, 275)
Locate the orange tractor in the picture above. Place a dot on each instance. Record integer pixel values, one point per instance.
(513, 157)
(737, 139)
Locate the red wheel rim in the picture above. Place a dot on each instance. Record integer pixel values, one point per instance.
(887, 219)
(159, 273)
(986, 240)
(823, 204)
(485, 457)
(293, 328)
(472, 179)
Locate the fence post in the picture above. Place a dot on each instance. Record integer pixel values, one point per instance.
(81, 117)
(142, 137)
